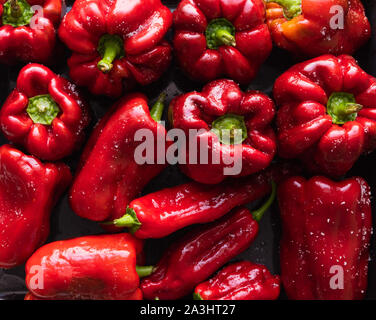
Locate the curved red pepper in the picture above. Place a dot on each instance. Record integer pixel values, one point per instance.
(92, 267)
(327, 113)
(215, 39)
(312, 28)
(240, 281)
(109, 176)
(163, 212)
(116, 43)
(222, 105)
(198, 255)
(26, 35)
(325, 224)
(45, 113)
(28, 191)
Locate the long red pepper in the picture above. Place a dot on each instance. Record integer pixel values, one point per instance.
(161, 213)
(200, 253)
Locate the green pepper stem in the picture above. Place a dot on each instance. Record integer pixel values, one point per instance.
(230, 129)
(129, 220)
(144, 271)
(157, 109)
(257, 214)
(291, 8)
(342, 107)
(197, 296)
(225, 37)
(110, 47)
(42, 109)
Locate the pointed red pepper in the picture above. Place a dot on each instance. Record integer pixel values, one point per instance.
(232, 124)
(215, 39)
(312, 28)
(240, 281)
(200, 253)
(327, 113)
(93, 267)
(109, 177)
(116, 43)
(28, 191)
(163, 212)
(27, 32)
(326, 238)
(45, 114)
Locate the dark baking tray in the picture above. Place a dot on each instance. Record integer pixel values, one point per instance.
(66, 224)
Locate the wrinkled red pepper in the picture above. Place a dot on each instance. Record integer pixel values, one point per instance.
(311, 28)
(116, 43)
(200, 253)
(212, 38)
(163, 212)
(232, 124)
(25, 34)
(326, 235)
(94, 267)
(327, 113)
(45, 113)
(28, 191)
(109, 176)
(240, 281)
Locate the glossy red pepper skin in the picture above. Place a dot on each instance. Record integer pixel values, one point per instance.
(141, 25)
(310, 33)
(95, 267)
(197, 111)
(109, 176)
(307, 131)
(325, 224)
(66, 132)
(165, 211)
(240, 62)
(240, 281)
(28, 191)
(31, 44)
(199, 254)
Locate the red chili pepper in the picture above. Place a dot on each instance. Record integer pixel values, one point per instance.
(240, 281)
(116, 43)
(163, 212)
(28, 191)
(109, 176)
(215, 39)
(312, 28)
(28, 33)
(44, 113)
(92, 267)
(326, 237)
(232, 124)
(200, 253)
(327, 113)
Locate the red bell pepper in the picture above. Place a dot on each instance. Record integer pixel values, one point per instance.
(116, 43)
(312, 28)
(27, 34)
(240, 281)
(217, 38)
(326, 237)
(109, 176)
(327, 113)
(200, 253)
(28, 191)
(45, 113)
(163, 212)
(218, 111)
(93, 267)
